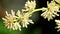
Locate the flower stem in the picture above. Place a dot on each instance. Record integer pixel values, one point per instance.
(43, 9)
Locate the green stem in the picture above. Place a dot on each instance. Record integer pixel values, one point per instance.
(43, 9)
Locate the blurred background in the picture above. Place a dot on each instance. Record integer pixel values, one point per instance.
(40, 26)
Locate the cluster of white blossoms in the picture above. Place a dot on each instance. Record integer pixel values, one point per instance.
(15, 21)
(24, 18)
(58, 24)
(29, 6)
(10, 21)
(51, 11)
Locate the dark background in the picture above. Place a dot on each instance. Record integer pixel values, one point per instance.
(40, 26)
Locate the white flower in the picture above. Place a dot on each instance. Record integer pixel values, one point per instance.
(30, 5)
(51, 11)
(10, 21)
(24, 18)
(16, 21)
(58, 23)
(20, 19)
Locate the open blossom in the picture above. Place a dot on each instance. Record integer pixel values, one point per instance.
(16, 21)
(10, 21)
(20, 19)
(29, 6)
(58, 23)
(24, 18)
(51, 11)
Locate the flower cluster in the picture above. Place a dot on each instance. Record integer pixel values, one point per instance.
(24, 18)
(10, 21)
(15, 21)
(51, 11)
(29, 6)
(20, 19)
